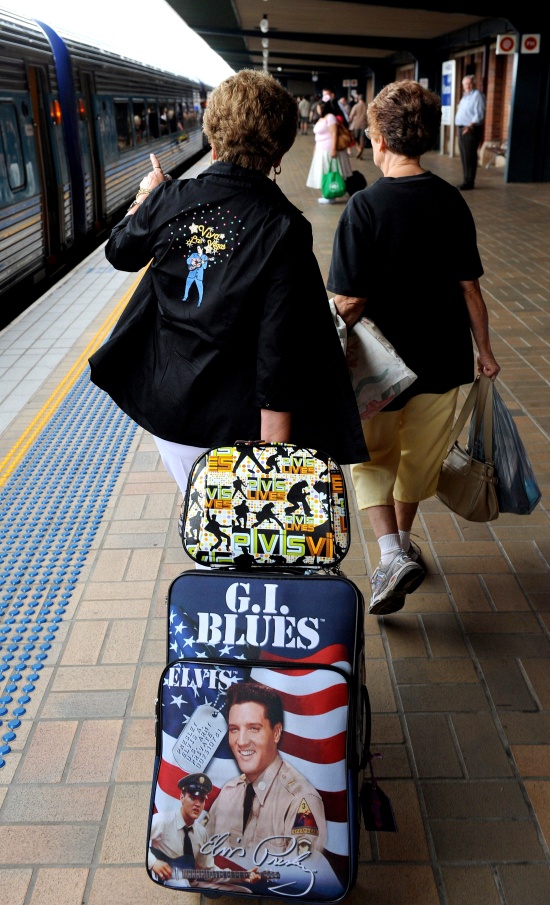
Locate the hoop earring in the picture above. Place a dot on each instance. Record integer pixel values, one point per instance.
(276, 172)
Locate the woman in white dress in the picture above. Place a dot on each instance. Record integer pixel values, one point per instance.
(326, 137)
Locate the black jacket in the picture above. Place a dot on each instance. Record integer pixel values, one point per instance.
(230, 317)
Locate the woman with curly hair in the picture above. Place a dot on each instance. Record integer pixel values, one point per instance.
(229, 335)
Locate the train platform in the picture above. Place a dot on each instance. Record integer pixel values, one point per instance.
(459, 680)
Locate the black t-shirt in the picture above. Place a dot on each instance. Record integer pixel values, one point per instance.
(404, 244)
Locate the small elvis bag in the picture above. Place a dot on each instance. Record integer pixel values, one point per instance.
(268, 505)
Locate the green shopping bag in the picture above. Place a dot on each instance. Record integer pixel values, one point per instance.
(333, 184)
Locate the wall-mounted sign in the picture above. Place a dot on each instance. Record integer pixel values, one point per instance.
(507, 44)
(530, 43)
(448, 74)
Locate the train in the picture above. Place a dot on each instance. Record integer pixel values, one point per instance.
(77, 125)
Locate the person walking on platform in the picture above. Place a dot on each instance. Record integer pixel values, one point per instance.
(405, 253)
(304, 108)
(326, 141)
(199, 376)
(358, 124)
(469, 118)
(328, 97)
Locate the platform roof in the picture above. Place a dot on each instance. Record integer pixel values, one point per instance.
(335, 36)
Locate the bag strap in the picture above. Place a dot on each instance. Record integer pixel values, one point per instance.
(488, 421)
(480, 397)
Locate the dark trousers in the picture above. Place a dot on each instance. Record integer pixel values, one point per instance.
(469, 142)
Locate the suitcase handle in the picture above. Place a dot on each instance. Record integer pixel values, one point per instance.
(366, 755)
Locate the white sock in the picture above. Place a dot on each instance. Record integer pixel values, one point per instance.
(405, 540)
(390, 546)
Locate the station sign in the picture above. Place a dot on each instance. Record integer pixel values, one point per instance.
(448, 76)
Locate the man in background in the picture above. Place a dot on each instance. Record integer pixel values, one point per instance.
(469, 118)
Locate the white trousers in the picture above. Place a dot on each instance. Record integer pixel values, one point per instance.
(178, 460)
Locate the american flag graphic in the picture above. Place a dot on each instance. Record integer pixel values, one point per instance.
(207, 612)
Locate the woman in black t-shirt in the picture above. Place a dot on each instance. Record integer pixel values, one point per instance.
(405, 254)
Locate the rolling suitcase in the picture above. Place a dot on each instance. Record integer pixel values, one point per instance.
(262, 708)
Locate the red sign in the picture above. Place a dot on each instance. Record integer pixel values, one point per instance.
(530, 44)
(506, 44)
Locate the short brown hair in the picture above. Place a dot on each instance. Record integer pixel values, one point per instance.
(407, 116)
(251, 120)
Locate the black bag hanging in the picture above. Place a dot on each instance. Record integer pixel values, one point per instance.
(355, 182)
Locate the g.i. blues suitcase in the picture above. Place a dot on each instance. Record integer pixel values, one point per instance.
(263, 719)
(263, 687)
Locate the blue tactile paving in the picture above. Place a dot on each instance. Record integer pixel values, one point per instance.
(50, 510)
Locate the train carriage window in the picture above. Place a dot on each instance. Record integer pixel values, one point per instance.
(172, 118)
(153, 119)
(140, 121)
(163, 117)
(179, 117)
(12, 150)
(125, 138)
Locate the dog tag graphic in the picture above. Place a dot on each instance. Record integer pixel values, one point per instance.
(199, 739)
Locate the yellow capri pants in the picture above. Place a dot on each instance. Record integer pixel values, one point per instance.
(406, 449)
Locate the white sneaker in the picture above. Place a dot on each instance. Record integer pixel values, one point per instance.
(391, 583)
(325, 200)
(414, 552)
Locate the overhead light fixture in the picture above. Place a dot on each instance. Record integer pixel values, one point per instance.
(265, 42)
(264, 25)
(265, 54)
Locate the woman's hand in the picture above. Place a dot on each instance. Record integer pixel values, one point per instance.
(148, 183)
(350, 308)
(154, 178)
(487, 364)
(275, 426)
(479, 325)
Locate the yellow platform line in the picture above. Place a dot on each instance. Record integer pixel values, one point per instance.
(10, 462)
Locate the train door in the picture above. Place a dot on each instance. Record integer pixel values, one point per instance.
(56, 203)
(92, 164)
(36, 79)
